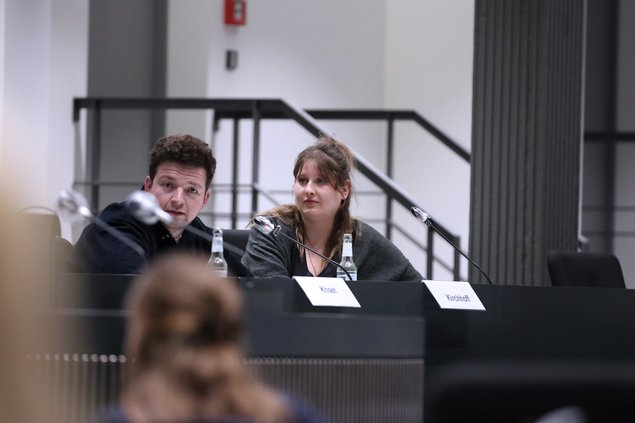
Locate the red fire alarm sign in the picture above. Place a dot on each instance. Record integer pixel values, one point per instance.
(235, 12)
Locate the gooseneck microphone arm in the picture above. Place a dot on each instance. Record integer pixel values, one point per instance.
(426, 219)
(265, 226)
(145, 208)
(72, 204)
(112, 231)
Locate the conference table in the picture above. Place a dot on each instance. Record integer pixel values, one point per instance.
(396, 356)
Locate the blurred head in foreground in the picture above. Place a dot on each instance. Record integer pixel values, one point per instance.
(24, 292)
(184, 337)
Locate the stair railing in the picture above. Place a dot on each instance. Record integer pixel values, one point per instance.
(257, 110)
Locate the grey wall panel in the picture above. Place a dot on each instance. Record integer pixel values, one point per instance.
(126, 59)
(526, 139)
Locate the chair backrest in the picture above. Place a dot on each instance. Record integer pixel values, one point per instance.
(235, 244)
(531, 391)
(236, 238)
(42, 221)
(44, 231)
(41, 230)
(63, 250)
(567, 268)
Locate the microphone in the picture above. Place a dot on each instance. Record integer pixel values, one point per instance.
(266, 226)
(426, 219)
(73, 205)
(421, 215)
(145, 208)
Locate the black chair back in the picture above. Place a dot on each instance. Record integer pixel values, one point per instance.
(519, 391)
(235, 244)
(236, 238)
(567, 268)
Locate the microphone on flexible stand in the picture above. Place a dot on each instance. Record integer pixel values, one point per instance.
(145, 208)
(73, 205)
(426, 219)
(266, 226)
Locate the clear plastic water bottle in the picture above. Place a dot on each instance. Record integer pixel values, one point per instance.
(217, 260)
(347, 259)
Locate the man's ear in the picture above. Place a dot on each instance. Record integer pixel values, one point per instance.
(147, 184)
(208, 194)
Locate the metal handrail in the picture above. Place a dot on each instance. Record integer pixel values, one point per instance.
(611, 137)
(621, 136)
(256, 110)
(390, 116)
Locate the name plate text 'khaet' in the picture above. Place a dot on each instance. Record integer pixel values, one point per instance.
(327, 291)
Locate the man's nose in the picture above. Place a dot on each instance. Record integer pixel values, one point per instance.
(177, 195)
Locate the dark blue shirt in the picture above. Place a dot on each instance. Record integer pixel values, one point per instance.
(98, 251)
(301, 412)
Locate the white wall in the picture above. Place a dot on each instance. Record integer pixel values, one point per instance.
(313, 54)
(26, 95)
(404, 54)
(190, 27)
(68, 72)
(429, 51)
(317, 58)
(43, 67)
(2, 43)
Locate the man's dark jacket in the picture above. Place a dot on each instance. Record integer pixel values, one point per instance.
(97, 251)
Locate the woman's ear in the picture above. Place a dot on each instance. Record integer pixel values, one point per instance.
(346, 189)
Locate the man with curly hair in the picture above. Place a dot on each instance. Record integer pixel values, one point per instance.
(180, 176)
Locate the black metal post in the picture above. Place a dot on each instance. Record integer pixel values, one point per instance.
(95, 155)
(255, 164)
(430, 254)
(235, 162)
(389, 161)
(457, 258)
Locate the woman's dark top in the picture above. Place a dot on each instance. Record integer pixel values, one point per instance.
(374, 255)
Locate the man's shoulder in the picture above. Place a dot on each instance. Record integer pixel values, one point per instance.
(198, 224)
(115, 211)
(117, 216)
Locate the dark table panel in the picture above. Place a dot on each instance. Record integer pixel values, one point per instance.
(519, 323)
(533, 349)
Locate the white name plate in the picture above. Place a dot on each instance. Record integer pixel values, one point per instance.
(327, 291)
(454, 295)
